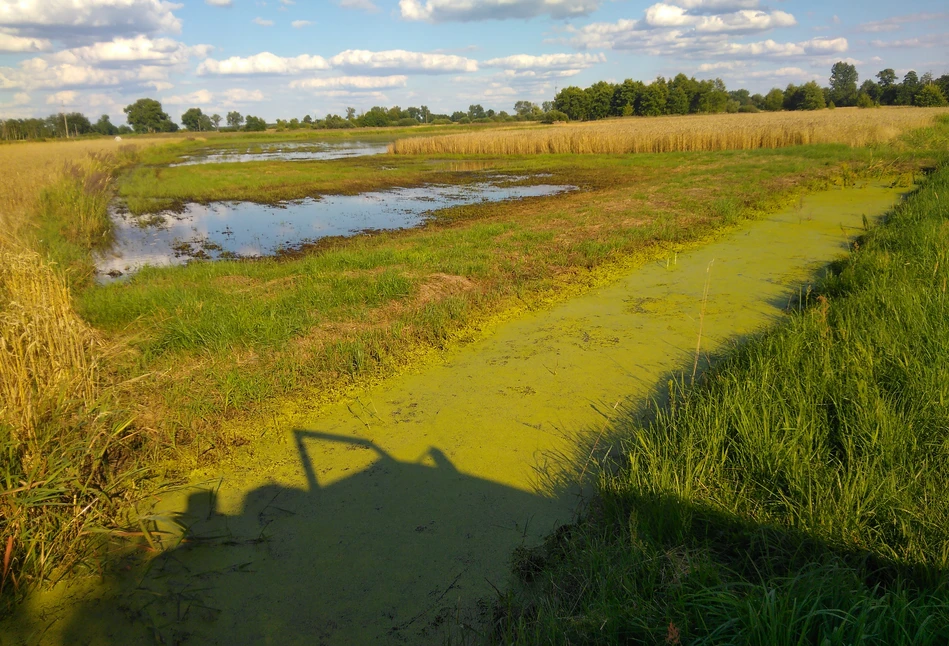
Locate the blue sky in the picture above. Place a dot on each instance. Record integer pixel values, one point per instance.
(289, 58)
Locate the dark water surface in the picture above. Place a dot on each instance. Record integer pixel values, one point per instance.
(248, 229)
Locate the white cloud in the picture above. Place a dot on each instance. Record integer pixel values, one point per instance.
(88, 20)
(546, 61)
(471, 10)
(200, 97)
(360, 5)
(929, 40)
(16, 44)
(402, 61)
(894, 23)
(352, 82)
(263, 63)
(64, 98)
(299, 24)
(37, 73)
(262, 22)
(713, 6)
(722, 65)
(242, 95)
(219, 3)
(140, 49)
(744, 22)
(160, 86)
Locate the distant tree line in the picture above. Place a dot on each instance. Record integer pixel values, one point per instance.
(684, 95)
(679, 95)
(63, 125)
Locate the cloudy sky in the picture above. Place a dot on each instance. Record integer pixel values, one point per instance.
(286, 58)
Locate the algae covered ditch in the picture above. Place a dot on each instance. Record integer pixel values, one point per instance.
(392, 516)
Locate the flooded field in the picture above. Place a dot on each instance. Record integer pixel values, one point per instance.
(287, 151)
(222, 230)
(393, 515)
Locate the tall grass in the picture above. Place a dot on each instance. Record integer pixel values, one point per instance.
(682, 134)
(797, 495)
(64, 459)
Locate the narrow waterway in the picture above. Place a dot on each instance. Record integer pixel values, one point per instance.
(392, 516)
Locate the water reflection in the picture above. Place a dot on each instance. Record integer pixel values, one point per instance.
(223, 230)
(287, 151)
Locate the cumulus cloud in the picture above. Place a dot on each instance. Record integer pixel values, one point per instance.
(262, 22)
(140, 49)
(242, 95)
(299, 24)
(263, 63)
(18, 44)
(546, 61)
(352, 82)
(160, 86)
(219, 3)
(200, 97)
(64, 98)
(403, 61)
(87, 20)
(716, 6)
(894, 23)
(471, 10)
(37, 73)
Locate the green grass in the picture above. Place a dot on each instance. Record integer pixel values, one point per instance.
(796, 494)
(247, 332)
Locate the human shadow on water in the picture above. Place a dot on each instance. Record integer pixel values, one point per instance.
(400, 552)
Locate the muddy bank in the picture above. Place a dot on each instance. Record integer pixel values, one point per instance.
(387, 518)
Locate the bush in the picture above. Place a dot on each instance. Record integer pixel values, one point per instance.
(748, 108)
(864, 101)
(553, 116)
(407, 121)
(442, 122)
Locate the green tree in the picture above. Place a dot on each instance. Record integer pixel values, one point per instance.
(871, 89)
(104, 126)
(146, 115)
(216, 121)
(254, 124)
(908, 89)
(192, 119)
(652, 102)
(843, 84)
(572, 101)
(234, 119)
(475, 111)
(625, 97)
(929, 96)
(774, 100)
(599, 96)
(889, 88)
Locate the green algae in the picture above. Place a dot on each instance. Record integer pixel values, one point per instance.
(388, 516)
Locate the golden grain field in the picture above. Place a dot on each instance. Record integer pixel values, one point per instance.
(849, 126)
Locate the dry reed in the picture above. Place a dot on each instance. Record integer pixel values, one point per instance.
(852, 127)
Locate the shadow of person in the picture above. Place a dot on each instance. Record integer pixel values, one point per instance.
(392, 554)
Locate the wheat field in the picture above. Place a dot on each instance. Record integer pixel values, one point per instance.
(849, 126)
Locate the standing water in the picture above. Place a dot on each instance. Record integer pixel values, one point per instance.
(287, 151)
(222, 230)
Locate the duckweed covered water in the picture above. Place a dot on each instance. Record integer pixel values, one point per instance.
(247, 229)
(386, 518)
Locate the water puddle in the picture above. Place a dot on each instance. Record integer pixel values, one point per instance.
(287, 151)
(390, 516)
(223, 230)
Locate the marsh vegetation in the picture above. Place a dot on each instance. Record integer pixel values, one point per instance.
(111, 391)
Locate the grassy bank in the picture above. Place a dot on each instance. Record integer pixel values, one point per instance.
(359, 308)
(796, 495)
(67, 453)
